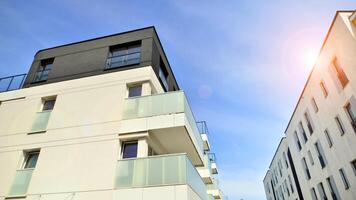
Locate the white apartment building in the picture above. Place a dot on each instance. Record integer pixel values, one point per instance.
(321, 134)
(103, 119)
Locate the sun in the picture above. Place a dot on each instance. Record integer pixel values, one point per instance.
(310, 57)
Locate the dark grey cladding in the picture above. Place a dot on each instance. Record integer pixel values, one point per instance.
(89, 57)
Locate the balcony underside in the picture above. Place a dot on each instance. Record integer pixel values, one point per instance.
(170, 131)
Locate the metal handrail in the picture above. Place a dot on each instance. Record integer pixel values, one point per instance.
(10, 86)
(203, 128)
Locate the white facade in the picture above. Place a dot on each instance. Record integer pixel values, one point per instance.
(80, 146)
(324, 117)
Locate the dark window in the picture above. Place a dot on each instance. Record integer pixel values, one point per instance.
(31, 160)
(43, 70)
(299, 146)
(332, 188)
(315, 106)
(322, 191)
(301, 129)
(120, 56)
(320, 153)
(313, 193)
(310, 158)
(290, 183)
(344, 178)
(306, 169)
(328, 138)
(351, 115)
(129, 150)
(48, 104)
(285, 159)
(163, 75)
(135, 91)
(286, 186)
(340, 125)
(340, 73)
(323, 88)
(309, 125)
(280, 167)
(353, 165)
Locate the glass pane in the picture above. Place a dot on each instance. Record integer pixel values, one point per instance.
(134, 49)
(21, 182)
(135, 91)
(41, 121)
(119, 52)
(4, 84)
(48, 104)
(130, 150)
(31, 160)
(155, 171)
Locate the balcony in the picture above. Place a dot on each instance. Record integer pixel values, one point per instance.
(21, 182)
(159, 171)
(12, 82)
(41, 121)
(203, 129)
(212, 159)
(123, 60)
(213, 189)
(167, 117)
(206, 171)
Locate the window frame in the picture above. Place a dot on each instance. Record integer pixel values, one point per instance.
(137, 85)
(344, 178)
(45, 65)
(27, 158)
(126, 47)
(340, 73)
(314, 105)
(123, 145)
(328, 138)
(324, 89)
(340, 125)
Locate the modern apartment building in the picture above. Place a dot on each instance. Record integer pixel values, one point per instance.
(320, 142)
(103, 119)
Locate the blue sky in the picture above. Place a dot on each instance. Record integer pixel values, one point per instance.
(242, 63)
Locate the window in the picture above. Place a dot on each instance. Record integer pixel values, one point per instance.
(280, 167)
(286, 186)
(340, 73)
(135, 91)
(351, 115)
(48, 104)
(129, 150)
(306, 169)
(43, 70)
(313, 194)
(332, 188)
(310, 158)
(328, 138)
(340, 125)
(297, 140)
(301, 129)
(31, 159)
(285, 159)
(322, 191)
(309, 125)
(320, 153)
(344, 178)
(315, 106)
(353, 165)
(163, 75)
(120, 56)
(323, 88)
(290, 183)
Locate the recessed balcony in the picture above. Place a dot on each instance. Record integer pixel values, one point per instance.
(206, 171)
(214, 190)
(158, 171)
(168, 118)
(212, 159)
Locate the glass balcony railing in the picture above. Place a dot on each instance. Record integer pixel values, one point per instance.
(159, 171)
(12, 82)
(41, 121)
(203, 128)
(123, 60)
(21, 182)
(162, 104)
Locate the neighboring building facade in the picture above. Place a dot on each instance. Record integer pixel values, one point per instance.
(103, 119)
(321, 134)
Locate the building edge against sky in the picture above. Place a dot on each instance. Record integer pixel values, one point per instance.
(103, 119)
(317, 158)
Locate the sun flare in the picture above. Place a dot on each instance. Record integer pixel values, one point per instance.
(310, 57)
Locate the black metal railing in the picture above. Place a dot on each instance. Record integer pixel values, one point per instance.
(203, 128)
(212, 157)
(12, 82)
